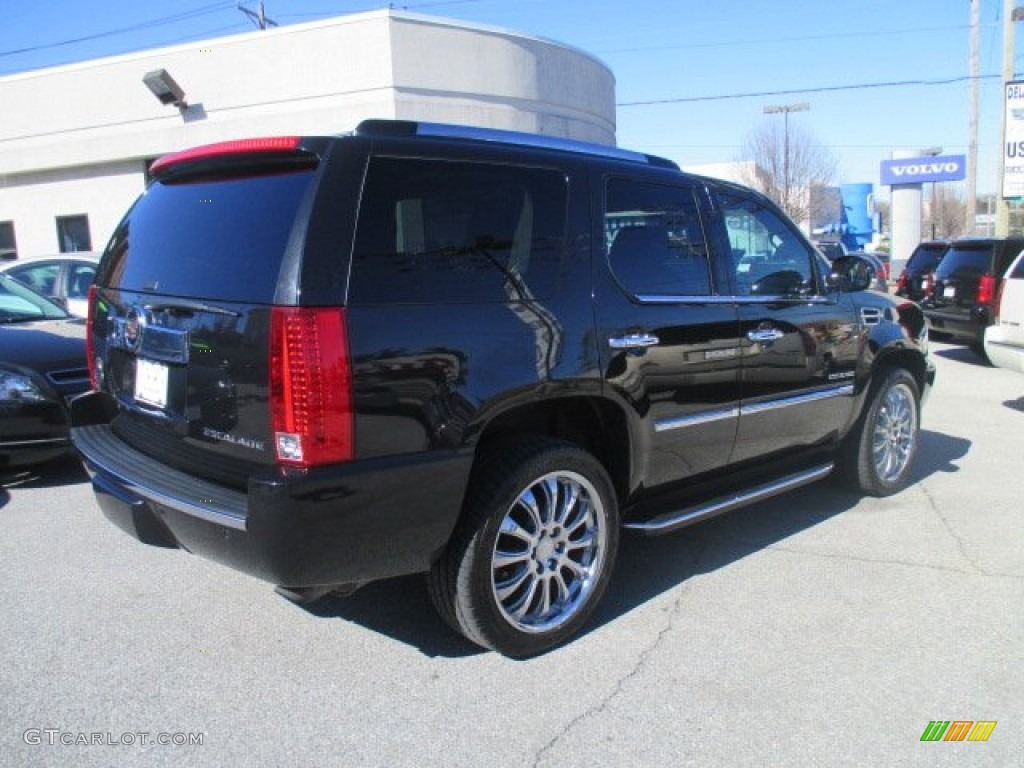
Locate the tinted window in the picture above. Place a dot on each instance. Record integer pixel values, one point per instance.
(769, 257)
(925, 258)
(655, 240)
(222, 238)
(432, 230)
(965, 260)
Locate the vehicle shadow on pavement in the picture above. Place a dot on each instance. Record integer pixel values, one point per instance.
(721, 541)
(51, 474)
(647, 567)
(1015, 405)
(962, 355)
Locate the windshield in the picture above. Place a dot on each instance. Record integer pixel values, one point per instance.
(19, 303)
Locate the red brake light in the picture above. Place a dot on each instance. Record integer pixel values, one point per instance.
(901, 284)
(929, 285)
(310, 386)
(241, 146)
(986, 289)
(90, 347)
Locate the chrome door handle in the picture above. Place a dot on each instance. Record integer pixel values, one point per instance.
(634, 341)
(765, 334)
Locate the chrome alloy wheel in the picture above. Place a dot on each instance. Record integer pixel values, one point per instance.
(895, 430)
(549, 552)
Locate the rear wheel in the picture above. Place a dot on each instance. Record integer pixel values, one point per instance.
(534, 550)
(878, 454)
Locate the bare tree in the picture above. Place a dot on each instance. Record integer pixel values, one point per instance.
(787, 163)
(947, 213)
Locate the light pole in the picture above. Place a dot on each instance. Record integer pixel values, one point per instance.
(785, 109)
(932, 152)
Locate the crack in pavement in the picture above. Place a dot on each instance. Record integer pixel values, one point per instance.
(949, 529)
(640, 663)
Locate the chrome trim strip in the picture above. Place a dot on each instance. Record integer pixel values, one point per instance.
(33, 443)
(681, 422)
(665, 425)
(687, 516)
(786, 402)
(657, 298)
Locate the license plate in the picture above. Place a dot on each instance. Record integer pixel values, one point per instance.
(949, 291)
(151, 382)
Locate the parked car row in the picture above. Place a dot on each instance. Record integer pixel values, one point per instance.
(1004, 339)
(42, 366)
(959, 285)
(63, 278)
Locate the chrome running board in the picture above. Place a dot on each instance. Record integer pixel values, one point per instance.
(671, 521)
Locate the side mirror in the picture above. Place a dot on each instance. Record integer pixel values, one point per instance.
(851, 273)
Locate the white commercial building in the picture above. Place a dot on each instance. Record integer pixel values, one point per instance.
(75, 141)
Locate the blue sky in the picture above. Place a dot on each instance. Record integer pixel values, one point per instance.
(701, 59)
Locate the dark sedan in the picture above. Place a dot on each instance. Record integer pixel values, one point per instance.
(42, 366)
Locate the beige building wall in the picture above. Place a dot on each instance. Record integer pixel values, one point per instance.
(81, 135)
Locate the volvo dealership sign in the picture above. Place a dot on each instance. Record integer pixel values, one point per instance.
(915, 170)
(1013, 147)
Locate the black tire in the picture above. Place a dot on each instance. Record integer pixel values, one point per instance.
(877, 456)
(978, 348)
(553, 510)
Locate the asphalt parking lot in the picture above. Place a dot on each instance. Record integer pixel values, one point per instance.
(815, 629)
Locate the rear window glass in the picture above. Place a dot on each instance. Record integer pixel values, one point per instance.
(435, 230)
(965, 261)
(925, 258)
(221, 238)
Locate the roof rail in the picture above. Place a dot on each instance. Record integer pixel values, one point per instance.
(380, 127)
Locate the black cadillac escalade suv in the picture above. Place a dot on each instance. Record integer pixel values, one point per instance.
(475, 354)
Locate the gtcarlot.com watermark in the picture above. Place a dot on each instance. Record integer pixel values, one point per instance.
(60, 737)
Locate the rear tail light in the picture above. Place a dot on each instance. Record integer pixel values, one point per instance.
(986, 289)
(90, 345)
(901, 284)
(310, 386)
(929, 285)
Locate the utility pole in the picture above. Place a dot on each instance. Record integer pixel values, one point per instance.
(259, 18)
(1011, 14)
(784, 110)
(972, 145)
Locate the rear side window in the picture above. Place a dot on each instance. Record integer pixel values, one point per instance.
(655, 240)
(966, 260)
(436, 230)
(925, 258)
(221, 238)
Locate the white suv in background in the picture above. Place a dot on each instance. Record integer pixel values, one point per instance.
(1004, 339)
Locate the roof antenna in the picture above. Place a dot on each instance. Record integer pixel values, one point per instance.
(258, 18)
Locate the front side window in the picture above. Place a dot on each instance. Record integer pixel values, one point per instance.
(655, 240)
(437, 230)
(769, 257)
(73, 234)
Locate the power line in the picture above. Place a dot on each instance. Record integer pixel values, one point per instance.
(183, 16)
(797, 91)
(797, 39)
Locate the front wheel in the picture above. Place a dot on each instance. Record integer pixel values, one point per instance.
(878, 454)
(534, 550)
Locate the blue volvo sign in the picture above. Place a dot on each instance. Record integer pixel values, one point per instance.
(915, 170)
